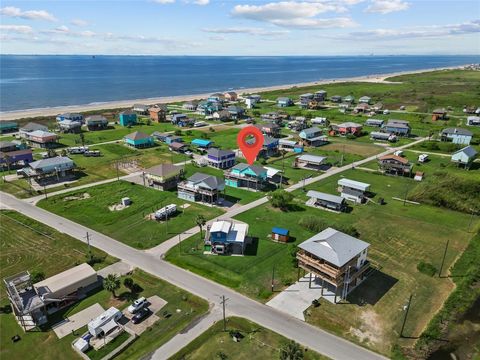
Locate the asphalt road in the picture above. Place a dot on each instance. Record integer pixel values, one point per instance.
(237, 304)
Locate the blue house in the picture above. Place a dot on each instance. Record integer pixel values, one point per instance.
(139, 140)
(464, 156)
(270, 147)
(70, 116)
(313, 136)
(181, 120)
(284, 102)
(248, 176)
(236, 112)
(226, 237)
(173, 139)
(457, 136)
(8, 126)
(202, 143)
(127, 118)
(220, 159)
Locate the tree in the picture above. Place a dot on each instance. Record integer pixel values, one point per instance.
(112, 284)
(128, 283)
(82, 138)
(291, 351)
(280, 199)
(178, 132)
(200, 221)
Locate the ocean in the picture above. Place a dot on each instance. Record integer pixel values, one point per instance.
(29, 82)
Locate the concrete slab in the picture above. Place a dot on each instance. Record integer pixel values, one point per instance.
(156, 303)
(77, 320)
(119, 268)
(298, 297)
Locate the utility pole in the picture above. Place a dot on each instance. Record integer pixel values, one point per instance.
(443, 259)
(273, 277)
(143, 177)
(45, 191)
(118, 176)
(223, 302)
(406, 314)
(88, 244)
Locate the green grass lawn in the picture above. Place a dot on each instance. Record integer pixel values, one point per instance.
(400, 236)
(129, 225)
(258, 343)
(164, 329)
(29, 245)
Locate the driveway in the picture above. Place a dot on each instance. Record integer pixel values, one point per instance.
(77, 320)
(156, 304)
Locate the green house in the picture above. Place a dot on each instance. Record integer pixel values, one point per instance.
(127, 118)
(139, 140)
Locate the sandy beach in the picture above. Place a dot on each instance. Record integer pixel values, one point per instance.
(52, 111)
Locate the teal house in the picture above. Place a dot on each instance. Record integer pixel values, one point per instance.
(248, 176)
(127, 118)
(139, 140)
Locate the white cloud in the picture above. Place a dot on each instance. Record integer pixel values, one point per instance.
(19, 29)
(245, 30)
(65, 31)
(11, 11)
(79, 22)
(418, 32)
(218, 38)
(387, 6)
(163, 2)
(295, 14)
(201, 2)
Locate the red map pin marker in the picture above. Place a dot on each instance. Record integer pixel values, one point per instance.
(250, 149)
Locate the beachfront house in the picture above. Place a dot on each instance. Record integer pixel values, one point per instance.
(164, 176)
(42, 139)
(270, 129)
(327, 201)
(374, 123)
(127, 118)
(201, 188)
(231, 96)
(96, 122)
(398, 127)
(220, 159)
(70, 126)
(346, 128)
(464, 157)
(70, 116)
(8, 126)
(439, 114)
(320, 95)
(226, 237)
(313, 162)
(208, 107)
(381, 136)
(202, 143)
(338, 259)
(236, 112)
(305, 100)
(456, 136)
(51, 168)
(395, 165)
(158, 114)
(31, 127)
(365, 100)
(138, 139)
(473, 120)
(284, 102)
(141, 109)
(336, 99)
(352, 190)
(313, 137)
(246, 176)
(217, 97)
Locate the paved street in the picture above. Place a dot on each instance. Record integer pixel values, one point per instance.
(238, 305)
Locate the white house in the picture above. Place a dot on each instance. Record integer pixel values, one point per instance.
(353, 190)
(464, 156)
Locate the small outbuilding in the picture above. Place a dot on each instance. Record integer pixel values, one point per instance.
(280, 234)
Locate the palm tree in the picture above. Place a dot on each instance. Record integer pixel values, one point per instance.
(291, 351)
(201, 221)
(111, 283)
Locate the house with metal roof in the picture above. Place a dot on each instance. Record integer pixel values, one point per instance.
(395, 165)
(305, 99)
(140, 108)
(464, 156)
(70, 116)
(382, 136)
(42, 139)
(336, 99)
(158, 114)
(220, 159)
(127, 118)
(222, 115)
(313, 136)
(96, 122)
(70, 126)
(30, 127)
(138, 139)
(246, 176)
(226, 237)
(308, 161)
(365, 100)
(456, 135)
(59, 166)
(236, 112)
(327, 201)
(280, 234)
(202, 143)
(473, 120)
(290, 145)
(338, 259)
(398, 127)
(353, 190)
(179, 147)
(374, 122)
(320, 95)
(349, 99)
(202, 188)
(164, 176)
(190, 105)
(284, 102)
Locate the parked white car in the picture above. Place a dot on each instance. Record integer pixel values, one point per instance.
(398, 153)
(423, 158)
(137, 305)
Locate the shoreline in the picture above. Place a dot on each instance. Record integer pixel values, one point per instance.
(53, 111)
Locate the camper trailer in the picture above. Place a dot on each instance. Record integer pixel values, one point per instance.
(78, 150)
(166, 211)
(422, 158)
(105, 322)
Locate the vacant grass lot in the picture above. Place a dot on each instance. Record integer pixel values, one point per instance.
(400, 236)
(29, 245)
(258, 343)
(129, 225)
(50, 347)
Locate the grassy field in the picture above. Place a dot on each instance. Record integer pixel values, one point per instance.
(400, 235)
(258, 343)
(189, 305)
(129, 225)
(29, 245)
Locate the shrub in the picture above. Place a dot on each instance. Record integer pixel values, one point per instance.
(37, 276)
(280, 199)
(426, 268)
(313, 223)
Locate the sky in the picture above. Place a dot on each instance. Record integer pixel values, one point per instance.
(246, 28)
